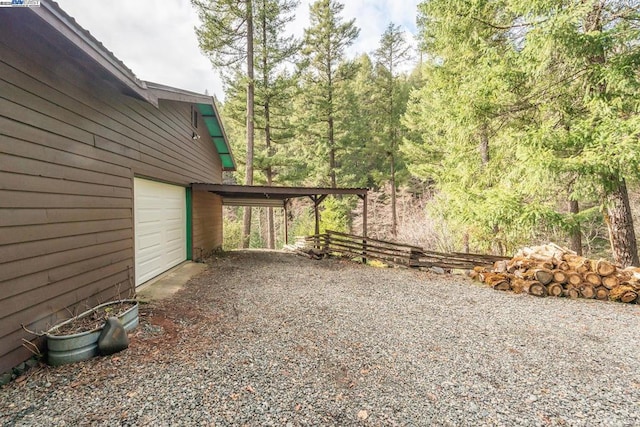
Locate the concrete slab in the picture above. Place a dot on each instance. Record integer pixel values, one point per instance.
(169, 282)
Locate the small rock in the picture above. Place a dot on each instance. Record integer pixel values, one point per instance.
(31, 363)
(437, 270)
(19, 370)
(5, 378)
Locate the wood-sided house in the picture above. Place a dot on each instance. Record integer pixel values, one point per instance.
(96, 169)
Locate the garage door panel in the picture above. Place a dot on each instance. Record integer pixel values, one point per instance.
(160, 216)
(173, 235)
(150, 216)
(150, 239)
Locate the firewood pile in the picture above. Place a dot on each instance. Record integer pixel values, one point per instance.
(550, 270)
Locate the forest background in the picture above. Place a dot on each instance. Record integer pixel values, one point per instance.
(514, 122)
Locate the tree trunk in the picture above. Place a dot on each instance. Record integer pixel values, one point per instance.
(394, 215)
(620, 224)
(576, 232)
(331, 134)
(332, 155)
(484, 145)
(271, 234)
(246, 217)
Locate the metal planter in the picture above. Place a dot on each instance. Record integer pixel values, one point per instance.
(64, 349)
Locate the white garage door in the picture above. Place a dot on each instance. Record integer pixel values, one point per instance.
(160, 227)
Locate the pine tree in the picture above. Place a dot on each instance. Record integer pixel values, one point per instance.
(548, 93)
(226, 36)
(273, 88)
(324, 71)
(393, 51)
(463, 144)
(581, 57)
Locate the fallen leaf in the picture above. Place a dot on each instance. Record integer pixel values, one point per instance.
(363, 415)
(432, 397)
(298, 407)
(250, 389)
(234, 396)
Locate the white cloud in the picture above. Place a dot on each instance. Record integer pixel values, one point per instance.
(157, 42)
(156, 39)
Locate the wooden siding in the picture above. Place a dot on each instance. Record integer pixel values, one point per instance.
(207, 224)
(70, 145)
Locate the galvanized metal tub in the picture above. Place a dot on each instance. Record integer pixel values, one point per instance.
(64, 349)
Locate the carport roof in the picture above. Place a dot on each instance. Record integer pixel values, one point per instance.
(257, 195)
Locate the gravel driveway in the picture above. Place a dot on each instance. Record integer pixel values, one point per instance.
(265, 338)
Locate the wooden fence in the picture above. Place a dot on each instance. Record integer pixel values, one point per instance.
(333, 242)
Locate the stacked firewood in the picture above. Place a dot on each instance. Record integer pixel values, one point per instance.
(550, 270)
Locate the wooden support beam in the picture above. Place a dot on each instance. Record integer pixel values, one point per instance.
(364, 227)
(286, 221)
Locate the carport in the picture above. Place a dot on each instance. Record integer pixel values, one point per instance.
(278, 197)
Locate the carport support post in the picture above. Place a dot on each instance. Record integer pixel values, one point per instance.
(364, 227)
(286, 221)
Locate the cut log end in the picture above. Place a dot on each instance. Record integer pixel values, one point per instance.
(543, 276)
(605, 268)
(629, 297)
(610, 282)
(502, 285)
(572, 293)
(593, 279)
(587, 291)
(537, 289)
(574, 279)
(555, 289)
(602, 293)
(560, 276)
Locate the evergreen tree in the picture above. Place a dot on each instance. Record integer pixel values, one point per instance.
(324, 73)
(393, 51)
(548, 92)
(360, 158)
(226, 37)
(463, 145)
(274, 89)
(581, 57)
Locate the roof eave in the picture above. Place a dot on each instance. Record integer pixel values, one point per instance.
(161, 91)
(52, 14)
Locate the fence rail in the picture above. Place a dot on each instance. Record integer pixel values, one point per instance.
(395, 253)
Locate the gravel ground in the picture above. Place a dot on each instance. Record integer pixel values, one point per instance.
(276, 339)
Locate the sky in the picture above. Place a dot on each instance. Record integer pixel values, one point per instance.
(157, 41)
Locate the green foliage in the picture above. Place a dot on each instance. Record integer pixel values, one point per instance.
(324, 92)
(222, 34)
(303, 223)
(524, 105)
(516, 108)
(336, 214)
(232, 235)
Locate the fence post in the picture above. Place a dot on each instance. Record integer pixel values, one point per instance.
(364, 228)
